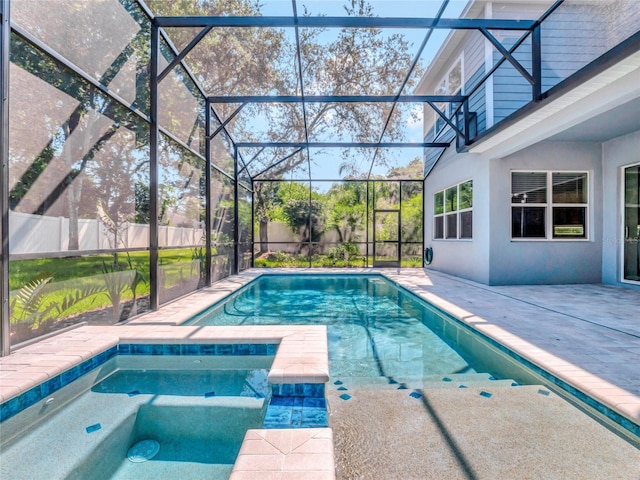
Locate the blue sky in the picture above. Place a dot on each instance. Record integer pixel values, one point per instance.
(325, 164)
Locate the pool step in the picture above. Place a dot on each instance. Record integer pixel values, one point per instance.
(428, 382)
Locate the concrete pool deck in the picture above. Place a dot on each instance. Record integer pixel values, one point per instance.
(586, 335)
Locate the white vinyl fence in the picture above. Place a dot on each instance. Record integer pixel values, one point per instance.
(40, 234)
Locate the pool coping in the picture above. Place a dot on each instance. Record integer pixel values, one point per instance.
(286, 455)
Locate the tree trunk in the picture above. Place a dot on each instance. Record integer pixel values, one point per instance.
(264, 236)
(74, 241)
(74, 193)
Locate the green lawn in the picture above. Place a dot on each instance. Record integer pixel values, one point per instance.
(95, 281)
(76, 285)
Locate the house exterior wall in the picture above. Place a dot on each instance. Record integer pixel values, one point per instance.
(616, 154)
(577, 33)
(514, 262)
(464, 258)
(492, 256)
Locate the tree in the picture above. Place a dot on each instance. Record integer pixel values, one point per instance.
(260, 61)
(304, 217)
(347, 207)
(88, 131)
(413, 170)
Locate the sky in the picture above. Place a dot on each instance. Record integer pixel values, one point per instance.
(326, 164)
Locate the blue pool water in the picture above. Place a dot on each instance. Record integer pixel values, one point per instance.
(197, 408)
(374, 328)
(381, 336)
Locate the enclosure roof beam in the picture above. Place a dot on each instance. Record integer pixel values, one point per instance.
(226, 122)
(302, 95)
(345, 22)
(185, 51)
(446, 119)
(336, 98)
(282, 160)
(416, 59)
(341, 145)
(507, 54)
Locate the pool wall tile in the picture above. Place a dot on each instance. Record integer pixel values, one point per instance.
(315, 390)
(197, 349)
(296, 412)
(33, 395)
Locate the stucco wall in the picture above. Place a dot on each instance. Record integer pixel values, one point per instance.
(617, 153)
(464, 258)
(545, 261)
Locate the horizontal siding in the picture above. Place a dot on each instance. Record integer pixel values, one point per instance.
(510, 89)
(477, 101)
(431, 155)
(577, 33)
(473, 49)
(509, 11)
(572, 37)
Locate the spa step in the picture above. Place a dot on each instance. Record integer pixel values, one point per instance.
(440, 381)
(96, 423)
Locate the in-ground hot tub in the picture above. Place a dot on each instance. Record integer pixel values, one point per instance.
(192, 412)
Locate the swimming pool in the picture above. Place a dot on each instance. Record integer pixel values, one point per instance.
(375, 329)
(383, 336)
(196, 407)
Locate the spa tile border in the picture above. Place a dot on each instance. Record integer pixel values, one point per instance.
(32, 396)
(301, 355)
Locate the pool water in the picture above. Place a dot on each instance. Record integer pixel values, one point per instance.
(374, 328)
(407, 375)
(197, 408)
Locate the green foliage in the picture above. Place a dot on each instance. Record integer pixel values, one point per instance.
(282, 259)
(118, 278)
(345, 254)
(346, 204)
(412, 218)
(413, 262)
(199, 257)
(32, 305)
(142, 203)
(244, 219)
(305, 218)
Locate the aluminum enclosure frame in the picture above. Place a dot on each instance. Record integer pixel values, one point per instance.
(240, 165)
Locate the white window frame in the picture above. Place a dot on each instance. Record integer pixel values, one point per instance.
(455, 212)
(445, 79)
(549, 206)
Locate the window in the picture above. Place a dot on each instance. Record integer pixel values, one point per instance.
(451, 84)
(549, 205)
(452, 212)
